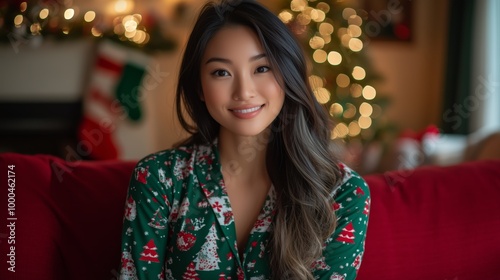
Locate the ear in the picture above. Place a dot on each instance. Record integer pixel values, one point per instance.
(201, 96)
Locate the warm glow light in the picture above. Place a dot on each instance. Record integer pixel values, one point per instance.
(341, 32)
(320, 16)
(44, 13)
(89, 16)
(350, 111)
(139, 37)
(69, 13)
(369, 92)
(327, 38)
(316, 42)
(336, 110)
(341, 130)
(298, 5)
(66, 30)
(18, 20)
(334, 58)
(119, 29)
(23, 6)
(343, 80)
(365, 109)
(348, 12)
(323, 7)
(322, 95)
(121, 6)
(356, 90)
(325, 28)
(358, 73)
(303, 19)
(345, 39)
(364, 122)
(354, 129)
(354, 30)
(315, 82)
(130, 25)
(35, 28)
(95, 32)
(319, 56)
(355, 20)
(130, 34)
(285, 16)
(137, 17)
(355, 44)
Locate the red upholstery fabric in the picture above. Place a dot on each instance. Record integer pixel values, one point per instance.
(69, 217)
(434, 223)
(428, 223)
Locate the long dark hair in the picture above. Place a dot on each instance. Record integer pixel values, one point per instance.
(299, 160)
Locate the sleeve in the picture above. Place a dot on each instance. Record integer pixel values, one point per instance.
(344, 250)
(145, 223)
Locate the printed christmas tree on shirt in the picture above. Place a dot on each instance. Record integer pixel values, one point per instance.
(149, 253)
(158, 221)
(347, 234)
(207, 258)
(190, 273)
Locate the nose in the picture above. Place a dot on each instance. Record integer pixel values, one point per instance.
(244, 88)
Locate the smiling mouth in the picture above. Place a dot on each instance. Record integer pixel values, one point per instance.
(246, 111)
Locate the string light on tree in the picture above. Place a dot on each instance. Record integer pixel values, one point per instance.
(341, 77)
(21, 23)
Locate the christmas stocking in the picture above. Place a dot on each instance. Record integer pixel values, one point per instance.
(111, 102)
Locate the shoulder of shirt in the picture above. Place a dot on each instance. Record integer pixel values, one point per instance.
(351, 185)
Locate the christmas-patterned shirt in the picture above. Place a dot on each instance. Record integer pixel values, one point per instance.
(178, 223)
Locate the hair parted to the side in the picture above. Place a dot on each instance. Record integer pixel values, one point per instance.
(299, 160)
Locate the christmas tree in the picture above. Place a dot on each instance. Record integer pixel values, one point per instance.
(347, 234)
(207, 258)
(158, 221)
(190, 273)
(341, 76)
(149, 254)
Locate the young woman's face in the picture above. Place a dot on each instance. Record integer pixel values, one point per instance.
(239, 88)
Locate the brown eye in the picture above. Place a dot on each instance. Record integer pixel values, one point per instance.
(262, 69)
(220, 73)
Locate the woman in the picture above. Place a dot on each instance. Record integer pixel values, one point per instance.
(255, 192)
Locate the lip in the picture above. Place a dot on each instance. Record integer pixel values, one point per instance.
(246, 112)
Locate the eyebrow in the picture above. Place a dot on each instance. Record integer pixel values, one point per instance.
(225, 60)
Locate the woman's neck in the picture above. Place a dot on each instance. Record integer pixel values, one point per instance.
(243, 158)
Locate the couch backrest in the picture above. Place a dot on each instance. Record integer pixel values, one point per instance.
(434, 223)
(69, 217)
(428, 223)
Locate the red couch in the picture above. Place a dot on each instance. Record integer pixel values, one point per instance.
(428, 223)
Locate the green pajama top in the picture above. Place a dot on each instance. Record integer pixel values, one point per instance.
(178, 223)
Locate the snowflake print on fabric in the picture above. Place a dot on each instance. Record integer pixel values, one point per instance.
(366, 210)
(207, 258)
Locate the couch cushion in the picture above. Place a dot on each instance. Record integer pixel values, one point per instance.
(69, 217)
(434, 223)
